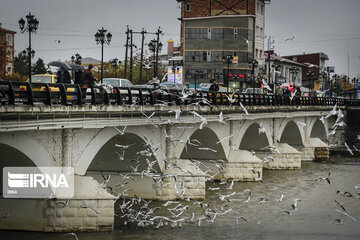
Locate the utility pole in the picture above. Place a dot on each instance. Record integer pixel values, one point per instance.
(131, 56)
(126, 51)
(270, 42)
(142, 53)
(157, 50)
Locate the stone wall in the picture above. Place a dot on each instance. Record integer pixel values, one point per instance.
(289, 158)
(91, 209)
(322, 154)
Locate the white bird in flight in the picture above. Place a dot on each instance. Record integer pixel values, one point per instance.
(290, 39)
(261, 128)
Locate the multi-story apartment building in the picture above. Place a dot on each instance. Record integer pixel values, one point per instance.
(211, 30)
(7, 46)
(315, 64)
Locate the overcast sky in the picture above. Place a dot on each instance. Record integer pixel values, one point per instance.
(329, 26)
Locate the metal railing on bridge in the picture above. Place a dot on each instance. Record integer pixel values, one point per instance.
(24, 93)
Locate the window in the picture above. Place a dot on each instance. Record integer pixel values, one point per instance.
(208, 56)
(258, 7)
(9, 69)
(9, 38)
(262, 9)
(256, 53)
(188, 9)
(257, 31)
(261, 54)
(209, 33)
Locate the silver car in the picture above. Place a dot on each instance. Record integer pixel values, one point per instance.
(117, 82)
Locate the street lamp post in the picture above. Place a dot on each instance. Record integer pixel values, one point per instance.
(115, 63)
(76, 59)
(228, 60)
(31, 27)
(254, 64)
(197, 73)
(310, 74)
(325, 75)
(155, 46)
(277, 69)
(294, 71)
(101, 38)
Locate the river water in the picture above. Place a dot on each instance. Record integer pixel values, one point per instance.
(314, 218)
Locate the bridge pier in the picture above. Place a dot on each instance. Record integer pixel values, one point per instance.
(91, 209)
(241, 165)
(159, 186)
(312, 146)
(288, 158)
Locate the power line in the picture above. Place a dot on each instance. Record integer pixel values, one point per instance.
(68, 49)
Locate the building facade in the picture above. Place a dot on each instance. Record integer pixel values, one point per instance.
(213, 30)
(314, 65)
(7, 47)
(283, 70)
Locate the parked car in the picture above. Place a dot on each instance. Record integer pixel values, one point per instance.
(117, 82)
(43, 78)
(254, 91)
(172, 86)
(47, 78)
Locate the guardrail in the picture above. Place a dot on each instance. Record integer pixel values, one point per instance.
(15, 93)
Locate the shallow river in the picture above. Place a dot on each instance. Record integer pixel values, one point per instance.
(314, 218)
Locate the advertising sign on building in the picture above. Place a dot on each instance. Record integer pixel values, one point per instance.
(175, 76)
(235, 59)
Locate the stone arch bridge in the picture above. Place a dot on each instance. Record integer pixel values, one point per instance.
(85, 138)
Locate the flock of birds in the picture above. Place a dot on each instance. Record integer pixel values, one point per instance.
(138, 211)
(142, 213)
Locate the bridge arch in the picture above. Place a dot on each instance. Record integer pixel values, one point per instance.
(250, 139)
(318, 130)
(100, 153)
(291, 133)
(208, 139)
(25, 149)
(20, 150)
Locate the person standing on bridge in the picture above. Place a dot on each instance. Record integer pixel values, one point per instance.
(87, 80)
(214, 88)
(87, 77)
(63, 76)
